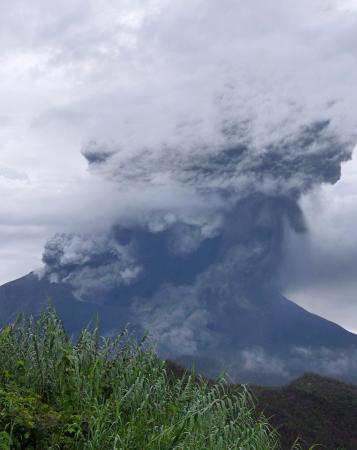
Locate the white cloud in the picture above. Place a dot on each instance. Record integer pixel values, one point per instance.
(347, 5)
(257, 360)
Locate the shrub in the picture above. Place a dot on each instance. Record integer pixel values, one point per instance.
(112, 393)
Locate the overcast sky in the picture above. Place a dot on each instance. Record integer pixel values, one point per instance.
(129, 71)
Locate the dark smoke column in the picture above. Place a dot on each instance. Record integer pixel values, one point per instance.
(204, 285)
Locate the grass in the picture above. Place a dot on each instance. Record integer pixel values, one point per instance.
(113, 393)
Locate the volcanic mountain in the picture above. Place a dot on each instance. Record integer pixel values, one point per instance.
(214, 307)
(193, 256)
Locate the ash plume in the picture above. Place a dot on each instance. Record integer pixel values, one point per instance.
(188, 279)
(219, 159)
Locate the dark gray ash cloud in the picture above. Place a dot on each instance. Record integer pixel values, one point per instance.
(291, 165)
(186, 277)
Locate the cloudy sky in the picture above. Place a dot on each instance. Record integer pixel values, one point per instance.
(163, 74)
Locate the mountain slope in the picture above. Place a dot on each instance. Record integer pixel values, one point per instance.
(271, 342)
(30, 295)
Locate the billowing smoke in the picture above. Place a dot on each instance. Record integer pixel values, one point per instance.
(219, 155)
(91, 265)
(192, 281)
(247, 199)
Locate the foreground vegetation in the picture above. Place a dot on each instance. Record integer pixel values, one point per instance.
(112, 393)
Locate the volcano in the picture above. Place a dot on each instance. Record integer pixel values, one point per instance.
(253, 333)
(200, 275)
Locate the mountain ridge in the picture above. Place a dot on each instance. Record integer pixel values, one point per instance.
(269, 344)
